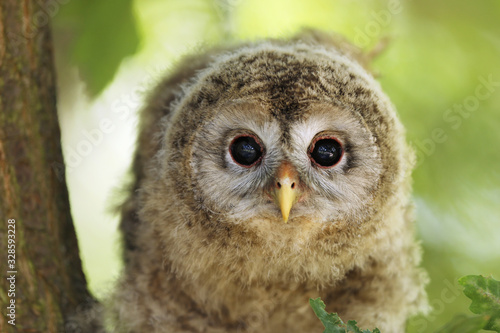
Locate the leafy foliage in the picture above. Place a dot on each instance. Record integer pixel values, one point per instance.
(485, 295)
(102, 34)
(483, 291)
(332, 322)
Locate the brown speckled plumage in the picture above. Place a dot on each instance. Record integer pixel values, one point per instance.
(207, 251)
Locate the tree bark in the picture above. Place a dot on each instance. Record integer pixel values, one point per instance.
(49, 283)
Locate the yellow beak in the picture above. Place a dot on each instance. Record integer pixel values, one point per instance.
(286, 189)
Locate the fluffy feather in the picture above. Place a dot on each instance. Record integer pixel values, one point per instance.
(207, 251)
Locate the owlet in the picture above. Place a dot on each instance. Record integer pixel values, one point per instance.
(266, 174)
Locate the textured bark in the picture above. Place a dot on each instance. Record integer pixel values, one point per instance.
(50, 285)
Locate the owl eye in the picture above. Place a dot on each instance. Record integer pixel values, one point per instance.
(245, 150)
(326, 152)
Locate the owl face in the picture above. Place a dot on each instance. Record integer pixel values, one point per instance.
(286, 136)
(246, 164)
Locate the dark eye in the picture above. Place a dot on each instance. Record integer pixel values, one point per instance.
(326, 152)
(245, 150)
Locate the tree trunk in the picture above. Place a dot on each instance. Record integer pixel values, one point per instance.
(42, 277)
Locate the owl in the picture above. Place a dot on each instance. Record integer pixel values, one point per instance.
(268, 173)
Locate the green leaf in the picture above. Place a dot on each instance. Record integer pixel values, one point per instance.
(352, 327)
(464, 324)
(100, 35)
(485, 295)
(332, 322)
(493, 324)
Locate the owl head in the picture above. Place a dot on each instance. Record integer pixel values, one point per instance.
(284, 133)
(284, 155)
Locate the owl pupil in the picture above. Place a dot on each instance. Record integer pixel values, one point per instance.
(326, 152)
(245, 150)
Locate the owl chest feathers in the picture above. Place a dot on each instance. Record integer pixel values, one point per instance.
(237, 273)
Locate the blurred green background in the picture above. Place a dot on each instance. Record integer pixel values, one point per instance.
(440, 66)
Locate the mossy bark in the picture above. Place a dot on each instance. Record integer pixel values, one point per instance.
(49, 283)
